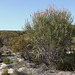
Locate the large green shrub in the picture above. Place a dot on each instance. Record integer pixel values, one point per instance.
(47, 39)
(53, 26)
(51, 33)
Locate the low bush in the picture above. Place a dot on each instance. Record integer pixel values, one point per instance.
(1, 42)
(22, 44)
(5, 71)
(1, 51)
(7, 61)
(67, 63)
(15, 73)
(18, 73)
(9, 52)
(30, 73)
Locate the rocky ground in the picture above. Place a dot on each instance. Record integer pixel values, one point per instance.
(24, 67)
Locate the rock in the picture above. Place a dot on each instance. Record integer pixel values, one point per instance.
(20, 59)
(10, 70)
(13, 54)
(64, 73)
(22, 71)
(2, 66)
(32, 65)
(1, 71)
(1, 60)
(73, 74)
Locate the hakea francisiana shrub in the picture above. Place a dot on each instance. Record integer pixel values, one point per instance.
(53, 26)
(52, 32)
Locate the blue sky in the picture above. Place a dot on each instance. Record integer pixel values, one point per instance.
(13, 13)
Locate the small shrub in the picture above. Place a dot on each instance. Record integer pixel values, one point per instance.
(18, 73)
(1, 42)
(67, 63)
(5, 71)
(9, 52)
(7, 61)
(31, 73)
(15, 73)
(1, 51)
(65, 66)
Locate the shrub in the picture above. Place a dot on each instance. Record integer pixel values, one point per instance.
(9, 52)
(67, 63)
(1, 51)
(22, 44)
(1, 42)
(15, 73)
(18, 73)
(7, 61)
(47, 39)
(5, 36)
(51, 33)
(5, 71)
(30, 73)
